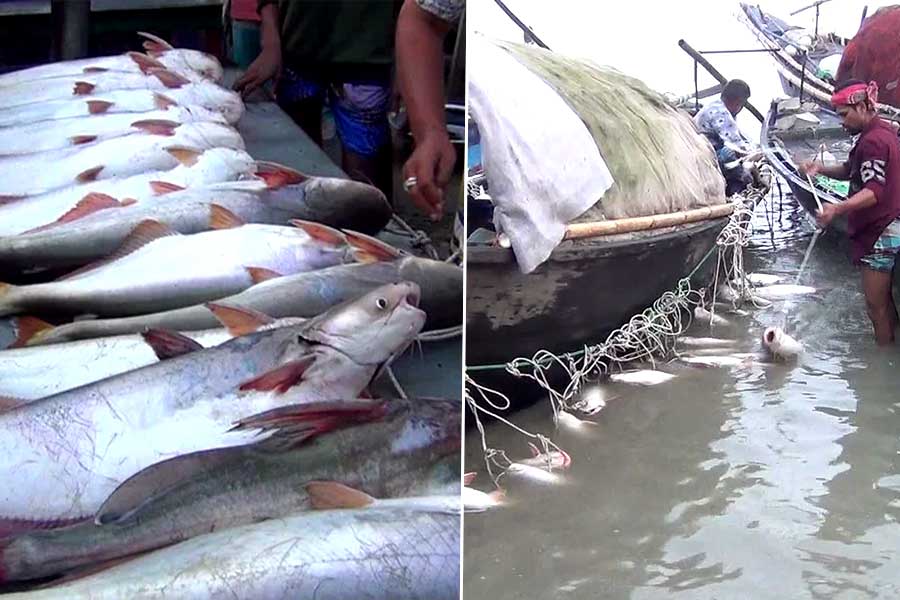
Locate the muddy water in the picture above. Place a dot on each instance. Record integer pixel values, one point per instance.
(756, 481)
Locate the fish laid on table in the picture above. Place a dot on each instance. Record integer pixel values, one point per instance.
(78, 86)
(335, 202)
(24, 371)
(302, 295)
(190, 64)
(76, 131)
(389, 456)
(397, 549)
(203, 94)
(148, 150)
(157, 268)
(196, 168)
(69, 452)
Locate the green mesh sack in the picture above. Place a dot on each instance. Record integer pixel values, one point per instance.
(658, 160)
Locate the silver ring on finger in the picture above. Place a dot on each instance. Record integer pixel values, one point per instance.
(409, 183)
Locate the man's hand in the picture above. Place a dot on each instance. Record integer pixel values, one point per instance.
(810, 167)
(266, 66)
(431, 164)
(826, 215)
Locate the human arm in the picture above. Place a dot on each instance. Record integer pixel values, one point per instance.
(268, 64)
(872, 169)
(813, 168)
(420, 70)
(864, 198)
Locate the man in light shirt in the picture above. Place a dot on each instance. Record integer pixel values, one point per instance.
(717, 122)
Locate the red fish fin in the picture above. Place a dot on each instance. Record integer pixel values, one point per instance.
(277, 176)
(145, 63)
(9, 403)
(82, 88)
(154, 43)
(260, 274)
(87, 70)
(156, 479)
(26, 328)
(93, 202)
(222, 218)
(239, 320)
(127, 201)
(164, 187)
(169, 79)
(368, 249)
(468, 478)
(184, 155)
(96, 107)
(295, 424)
(82, 139)
(156, 126)
(162, 101)
(169, 344)
(322, 233)
(144, 232)
(89, 175)
(324, 495)
(282, 378)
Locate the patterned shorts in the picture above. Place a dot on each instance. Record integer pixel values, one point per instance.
(885, 250)
(360, 110)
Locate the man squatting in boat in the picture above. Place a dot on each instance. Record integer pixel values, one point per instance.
(873, 207)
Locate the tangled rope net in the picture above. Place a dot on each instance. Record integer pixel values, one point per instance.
(646, 336)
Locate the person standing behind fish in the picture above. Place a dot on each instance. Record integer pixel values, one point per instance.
(717, 122)
(873, 206)
(421, 29)
(338, 52)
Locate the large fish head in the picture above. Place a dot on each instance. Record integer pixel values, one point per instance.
(214, 97)
(205, 64)
(205, 134)
(340, 202)
(373, 328)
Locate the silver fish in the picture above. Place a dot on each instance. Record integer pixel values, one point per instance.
(404, 549)
(302, 295)
(68, 452)
(66, 133)
(335, 202)
(158, 269)
(783, 290)
(780, 344)
(27, 174)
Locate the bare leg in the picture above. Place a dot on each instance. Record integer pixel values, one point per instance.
(374, 170)
(882, 312)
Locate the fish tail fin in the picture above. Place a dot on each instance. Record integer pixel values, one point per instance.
(8, 299)
(27, 328)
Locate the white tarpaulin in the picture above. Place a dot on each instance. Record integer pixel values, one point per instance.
(543, 166)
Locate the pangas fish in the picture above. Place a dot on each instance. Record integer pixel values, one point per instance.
(569, 421)
(783, 290)
(68, 452)
(708, 318)
(477, 501)
(780, 344)
(592, 399)
(302, 295)
(86, 84)
(157, 269)
(400, 549)
(542, 467)
(642, 377)
(190, 64)
(387, 456)
(550, 459)
(147, 150)
(730, 360)
(704, 342)
(84, 238)
(66, 133)
(196, 168)
(203, 94)
(23, 371)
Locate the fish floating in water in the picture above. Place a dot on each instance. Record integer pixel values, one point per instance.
(728, 360)
(763, 279)
(642, 377)
(783, 290)
(780, 344)
(704, 316)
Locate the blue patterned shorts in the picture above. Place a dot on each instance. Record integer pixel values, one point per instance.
(884, 252)
(360, 110)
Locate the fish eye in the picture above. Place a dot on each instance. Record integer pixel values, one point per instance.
(381, 303)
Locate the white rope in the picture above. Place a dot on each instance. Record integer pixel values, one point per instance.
(418, 238)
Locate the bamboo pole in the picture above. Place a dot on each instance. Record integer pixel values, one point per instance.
(577, 231)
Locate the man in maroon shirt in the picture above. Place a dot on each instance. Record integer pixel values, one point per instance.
(873, 207)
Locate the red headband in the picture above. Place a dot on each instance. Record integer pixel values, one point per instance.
(856, 93)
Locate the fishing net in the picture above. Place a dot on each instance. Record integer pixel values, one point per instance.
(659, 162)
(874, 55)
